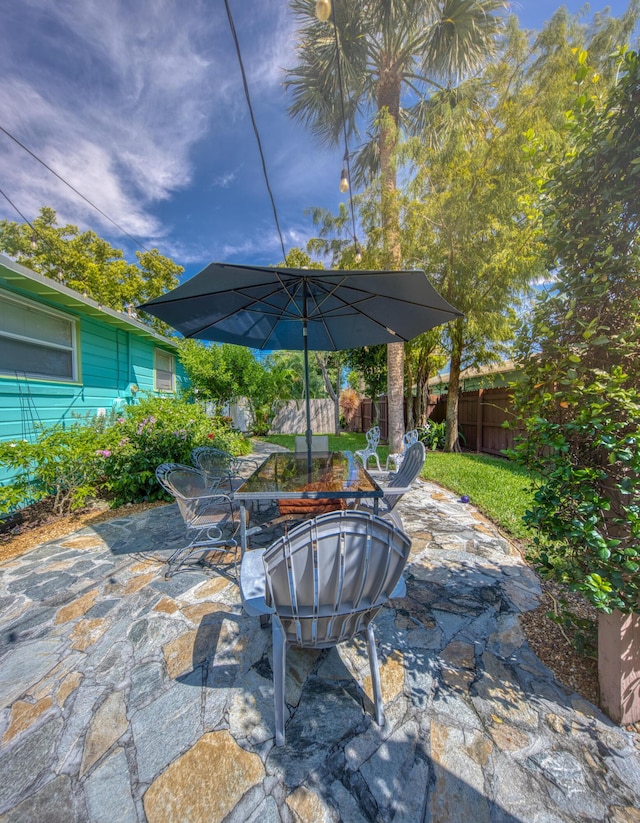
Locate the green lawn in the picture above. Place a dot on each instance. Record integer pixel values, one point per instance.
(496, 486)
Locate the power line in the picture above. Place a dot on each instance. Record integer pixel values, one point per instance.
(17, 210)
(255, 127)
(73, 189)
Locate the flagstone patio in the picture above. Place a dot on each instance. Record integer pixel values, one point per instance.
(128, 697)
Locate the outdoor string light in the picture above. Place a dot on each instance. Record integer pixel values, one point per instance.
(344, 181)
(323, 10)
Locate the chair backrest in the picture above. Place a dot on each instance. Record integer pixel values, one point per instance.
(214, 462)
(412, 463)
(329, 576)
(185, 484)
(409, 438)
(373, 437)
(319, 443)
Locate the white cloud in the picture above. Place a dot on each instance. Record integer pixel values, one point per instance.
(223, 181)
(113, 96)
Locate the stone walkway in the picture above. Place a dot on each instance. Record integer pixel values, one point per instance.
(128, 697)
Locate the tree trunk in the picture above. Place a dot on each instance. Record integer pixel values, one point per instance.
(335, 396)
(452, 443)
(388, 98)
(409, 381)
(395, 394)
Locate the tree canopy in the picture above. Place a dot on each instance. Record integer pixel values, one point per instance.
(87, 263)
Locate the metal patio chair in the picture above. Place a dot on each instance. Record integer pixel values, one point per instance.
(408, 439)
(221, 467)
(323, 583)
(373, 439)
(208, 514)
(399, 484)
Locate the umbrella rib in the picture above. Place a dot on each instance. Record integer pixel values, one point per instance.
(256, 301)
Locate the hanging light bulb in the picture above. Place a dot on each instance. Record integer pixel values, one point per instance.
(60, 275)
(344, 181)
(323, 10)
(358, 254)
(34, 242)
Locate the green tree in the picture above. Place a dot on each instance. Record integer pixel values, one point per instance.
(424, 357)
(580, 397)
(368, 365)
(386, 50)
(473, 220)
(87, 263)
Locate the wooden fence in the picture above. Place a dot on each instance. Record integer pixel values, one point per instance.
(481, 415)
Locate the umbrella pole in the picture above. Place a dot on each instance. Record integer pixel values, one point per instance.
(305, 339)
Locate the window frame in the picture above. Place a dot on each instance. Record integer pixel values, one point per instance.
(33, 305)
(162, 352)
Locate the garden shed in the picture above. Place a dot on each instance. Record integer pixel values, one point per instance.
(63, 356)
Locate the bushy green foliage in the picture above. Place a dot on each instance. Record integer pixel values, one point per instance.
(63, 462)
(579, 401)
(158, 430)
(434, 435)
(116, 458)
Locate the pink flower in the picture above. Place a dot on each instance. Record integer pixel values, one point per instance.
(103, 453)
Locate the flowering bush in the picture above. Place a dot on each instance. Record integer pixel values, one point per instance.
(155, 431)
(118, 458)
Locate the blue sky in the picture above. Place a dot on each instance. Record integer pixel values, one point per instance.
(139, 105)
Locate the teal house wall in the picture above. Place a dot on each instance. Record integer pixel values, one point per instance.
(116, 358)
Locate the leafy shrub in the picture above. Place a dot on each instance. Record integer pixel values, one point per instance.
(579, 399)
(159, 430)
(434, 435)
(63, 462)
(116, 457)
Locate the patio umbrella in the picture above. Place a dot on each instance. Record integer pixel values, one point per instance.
(310, 309)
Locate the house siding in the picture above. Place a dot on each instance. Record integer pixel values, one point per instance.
(110, 359)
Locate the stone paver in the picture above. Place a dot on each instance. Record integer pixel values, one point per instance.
(128, 697)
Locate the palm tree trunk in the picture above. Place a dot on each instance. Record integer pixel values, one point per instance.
(389, 106)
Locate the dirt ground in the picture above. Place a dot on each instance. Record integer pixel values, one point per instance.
(551, 642)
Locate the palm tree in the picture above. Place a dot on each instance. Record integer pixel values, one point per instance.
(392, 53)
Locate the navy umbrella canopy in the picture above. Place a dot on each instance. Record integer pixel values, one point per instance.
(272, 308)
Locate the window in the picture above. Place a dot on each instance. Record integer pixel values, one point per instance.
(36, 341)
(165, 371)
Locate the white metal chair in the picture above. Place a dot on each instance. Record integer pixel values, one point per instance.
(399, 484)
(371, 451)
(221, 467)
(323, 583)
(208, 514)
(408, 439)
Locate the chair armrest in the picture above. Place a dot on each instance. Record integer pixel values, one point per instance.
(395, 491)
(253, 584)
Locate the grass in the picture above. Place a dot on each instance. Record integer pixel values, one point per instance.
(498, 487)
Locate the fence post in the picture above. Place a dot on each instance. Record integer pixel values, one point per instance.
(479, 422)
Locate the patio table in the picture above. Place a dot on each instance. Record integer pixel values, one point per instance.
(330, 476)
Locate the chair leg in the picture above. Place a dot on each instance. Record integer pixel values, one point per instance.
(375, 675)
(279, 662)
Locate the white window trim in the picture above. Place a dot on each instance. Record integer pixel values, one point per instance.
(172, 357)
(73, 348)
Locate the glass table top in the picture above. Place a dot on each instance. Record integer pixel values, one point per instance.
(289, 475)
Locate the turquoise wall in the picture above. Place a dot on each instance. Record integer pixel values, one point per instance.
(110, 358)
